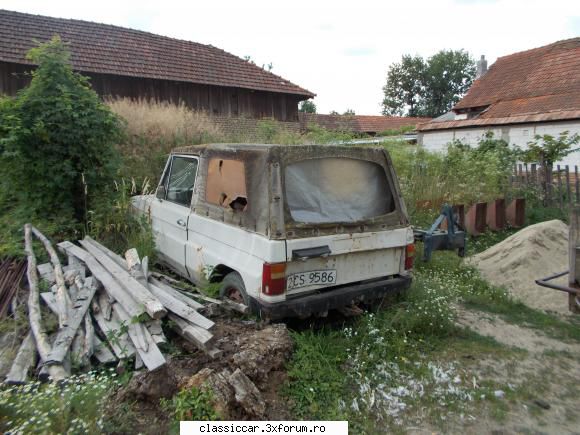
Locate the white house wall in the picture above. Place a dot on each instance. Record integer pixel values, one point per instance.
(518, 135)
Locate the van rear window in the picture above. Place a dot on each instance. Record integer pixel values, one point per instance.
(329, 190)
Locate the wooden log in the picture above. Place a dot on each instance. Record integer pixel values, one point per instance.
(176, 294)
(112, 287)
(145, 267)
(89, 344)
(115, 257)
(114, 332)
(133, 287)
(77, 349)
(247, 394)
(102, 353)
(224, 303)
(46, 272)
(55, 371)
(156, 330)
(135, 267)
(149, 353)
(24, 361)
(65, 336)
(193, 333)
(181, 309)
(62, 295)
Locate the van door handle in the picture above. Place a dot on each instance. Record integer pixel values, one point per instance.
(305, 254)
(181, 222)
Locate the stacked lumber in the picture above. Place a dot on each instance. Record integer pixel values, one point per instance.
(109, 309)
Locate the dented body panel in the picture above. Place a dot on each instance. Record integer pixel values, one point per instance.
(241, 207)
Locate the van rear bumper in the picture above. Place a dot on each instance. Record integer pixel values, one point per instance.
(334, 297)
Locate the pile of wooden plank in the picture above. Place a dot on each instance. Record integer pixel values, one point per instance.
(109, 308)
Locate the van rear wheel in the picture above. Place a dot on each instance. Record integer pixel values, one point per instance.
(232, 287)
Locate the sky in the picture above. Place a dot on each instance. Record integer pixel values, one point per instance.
(340, 50)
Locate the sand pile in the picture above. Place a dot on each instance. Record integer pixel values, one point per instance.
(532, 253)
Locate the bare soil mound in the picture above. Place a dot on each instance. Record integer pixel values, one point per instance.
(532, 253)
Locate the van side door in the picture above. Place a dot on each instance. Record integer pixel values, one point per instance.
(171, 208)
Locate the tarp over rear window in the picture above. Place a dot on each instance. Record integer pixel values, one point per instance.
(328, 190)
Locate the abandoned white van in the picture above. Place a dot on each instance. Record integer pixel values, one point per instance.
(287, 230)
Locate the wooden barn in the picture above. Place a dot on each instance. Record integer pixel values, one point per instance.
(124, 62)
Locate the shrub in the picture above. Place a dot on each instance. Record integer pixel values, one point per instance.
(56, 138)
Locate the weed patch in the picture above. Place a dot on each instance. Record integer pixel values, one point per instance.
(74, 406)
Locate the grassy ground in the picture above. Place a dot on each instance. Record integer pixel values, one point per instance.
(405, 365)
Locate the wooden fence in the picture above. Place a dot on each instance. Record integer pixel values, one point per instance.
(560, 188)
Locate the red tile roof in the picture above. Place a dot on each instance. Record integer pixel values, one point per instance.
(549, 70)
(106, 49)
(560, 115)
(541, 84)
(361, 123)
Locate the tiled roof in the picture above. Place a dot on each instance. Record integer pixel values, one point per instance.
(106, 49)
(558, 115)
(549, 70)
(361, 123)
(542, 84)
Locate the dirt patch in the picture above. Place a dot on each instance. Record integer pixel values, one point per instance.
(252, 362)
(532, 253)
(512, 335)
(540, 385)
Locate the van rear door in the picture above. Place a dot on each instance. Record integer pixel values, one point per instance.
(335, 199)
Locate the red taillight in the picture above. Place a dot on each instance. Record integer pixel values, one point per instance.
(274, 279)
(409, 256)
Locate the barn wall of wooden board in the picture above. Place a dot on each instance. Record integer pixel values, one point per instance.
(216, 100)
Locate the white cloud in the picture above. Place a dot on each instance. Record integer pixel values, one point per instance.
(340, 50)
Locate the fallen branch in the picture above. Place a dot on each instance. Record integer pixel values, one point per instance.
(62, 295)
(55, 371)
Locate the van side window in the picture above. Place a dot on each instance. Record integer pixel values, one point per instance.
(181, 180)
(226, 184)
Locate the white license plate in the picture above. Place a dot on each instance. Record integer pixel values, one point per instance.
(313, 277)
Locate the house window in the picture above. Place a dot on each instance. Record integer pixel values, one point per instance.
(226, 184)
(526, 132)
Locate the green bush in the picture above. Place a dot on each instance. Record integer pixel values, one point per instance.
(56, 138)
(190, 404)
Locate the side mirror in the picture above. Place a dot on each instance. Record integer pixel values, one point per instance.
(160, 194)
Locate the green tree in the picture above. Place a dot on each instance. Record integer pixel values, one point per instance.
(418, 87)
(57, 138)
(405, 87)
(307, 106)
(448, 77)
(349, 112)
(547, 150)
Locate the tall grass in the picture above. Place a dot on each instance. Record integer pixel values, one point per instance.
(461, 175)
(153, 128)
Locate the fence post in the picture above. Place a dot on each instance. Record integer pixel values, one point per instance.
(568, 186)
(577, 183)
(560, 201)
(534, 176)
(574, 258)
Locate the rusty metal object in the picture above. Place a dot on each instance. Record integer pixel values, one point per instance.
(545, 282)
(458, 214)
(516, 213)
(11, 273)
(475, 219)
(496, 215)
